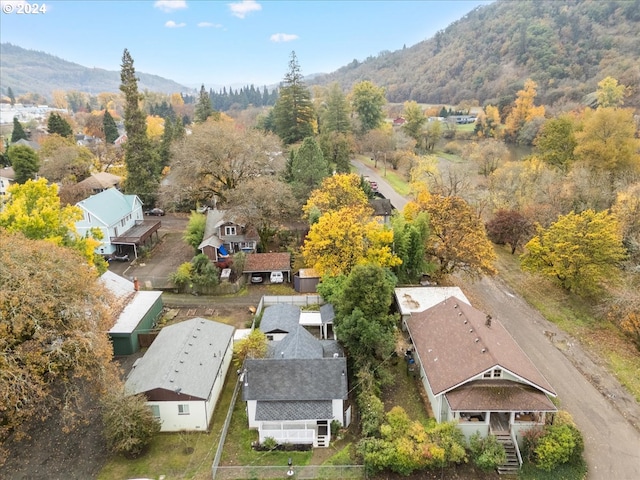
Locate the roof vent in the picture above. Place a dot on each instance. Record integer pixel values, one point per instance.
(171, 380)
(336, 355)
(455, 306)
(477, 340)
(459, 314)
(471, 330)
(483, 350)
(466, 321)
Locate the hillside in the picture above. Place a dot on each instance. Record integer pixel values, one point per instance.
(565, 46)
(38, 72)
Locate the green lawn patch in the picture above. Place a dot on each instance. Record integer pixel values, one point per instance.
(567, 471)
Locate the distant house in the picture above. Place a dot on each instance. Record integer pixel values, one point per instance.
(223, 236)
(137, 314)
(27, 143)
(295, 393)
(7, 178)
(183, 372)
(399, 121)
(474, 372)
(382, 209)
(265, 263)
(120, 219)
(99, 182)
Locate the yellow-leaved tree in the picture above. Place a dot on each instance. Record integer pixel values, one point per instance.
(523, 111)
(344, 238)
(335, 192)
(34, 209)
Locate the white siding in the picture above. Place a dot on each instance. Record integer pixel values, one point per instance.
(172, 421)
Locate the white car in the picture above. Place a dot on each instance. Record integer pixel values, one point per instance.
(276, 277)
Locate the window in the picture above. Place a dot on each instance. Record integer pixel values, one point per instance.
(230, 230)
(497, 373)
(183, 409)
(487, 374)
(155, 410)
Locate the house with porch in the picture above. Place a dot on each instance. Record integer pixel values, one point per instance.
(474, 373)
(183, 372)
(120, 219)
(223, 237)
(295, 393)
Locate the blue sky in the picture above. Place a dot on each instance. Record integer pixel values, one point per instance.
(231, 43)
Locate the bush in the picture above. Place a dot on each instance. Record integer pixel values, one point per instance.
(453, 148)
(559, 444)
(487, 453)
(129, 424)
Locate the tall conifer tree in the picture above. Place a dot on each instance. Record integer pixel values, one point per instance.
(110, 127)
(18, 132)
(143, 167)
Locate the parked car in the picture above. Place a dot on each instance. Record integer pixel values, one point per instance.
(158, 212)
(255, 278)
(374, 186)
(276, 277)
(118, 257)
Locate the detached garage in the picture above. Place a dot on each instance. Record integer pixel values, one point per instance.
(265, 263)
(139, 311)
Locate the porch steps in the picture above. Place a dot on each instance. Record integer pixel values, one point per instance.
(512, 465)
(323, 441)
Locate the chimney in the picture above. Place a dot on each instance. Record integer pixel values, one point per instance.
(136, 284)
(488, 322)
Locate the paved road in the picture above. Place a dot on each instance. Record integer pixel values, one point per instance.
(607, 416)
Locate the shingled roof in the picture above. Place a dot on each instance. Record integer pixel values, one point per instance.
(455, 342)
(267, 262)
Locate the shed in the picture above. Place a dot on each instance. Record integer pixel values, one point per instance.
(306, 280)
(138, 312)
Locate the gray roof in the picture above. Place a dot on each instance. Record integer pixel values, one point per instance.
(272, 379)
(185, 358)
(327, 313)
(331, 347)
(298, 343)
(291, 411)
(281, 317)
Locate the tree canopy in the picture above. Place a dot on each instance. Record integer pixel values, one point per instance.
(367, 101)
(25, 162)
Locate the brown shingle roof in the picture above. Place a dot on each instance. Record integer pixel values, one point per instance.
(502, 395)
(454, 345)
(267, 262)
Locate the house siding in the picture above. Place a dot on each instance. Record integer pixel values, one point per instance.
(128, 343)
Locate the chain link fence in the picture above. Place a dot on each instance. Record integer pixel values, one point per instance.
(319, 472)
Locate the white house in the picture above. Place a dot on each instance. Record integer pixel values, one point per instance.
(120, 219)
(418, 299)
(7, 177)
(183, 372)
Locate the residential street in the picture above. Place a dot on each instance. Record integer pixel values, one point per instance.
(607, 416)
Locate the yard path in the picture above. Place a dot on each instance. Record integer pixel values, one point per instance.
(606, 414)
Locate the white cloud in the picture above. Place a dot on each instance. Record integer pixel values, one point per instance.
(172, 24)
(283, 37)
(209, 24)
(170, 5)
(241, 9)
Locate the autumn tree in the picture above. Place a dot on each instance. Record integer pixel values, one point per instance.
(307, 168)
(378, 142)
(18, 132)
(94, 125)
(609, 93)
(488, 123)
(194, 233)
(335, 192)
(109, 127)
(415, 120)
(457, 241)
(217, 157)
(24, 161)
(336, 148)
(556, 142)
(523, 111)
(54, 319)
(488, 155)
(266, 203)
(34, 210)
(254, 345)
(580, 251)
(58, 125)
(294, 115)
(509, 227)
(367, 101)
(607, 140)
(627, 210)
(431, 135)
(143, 166)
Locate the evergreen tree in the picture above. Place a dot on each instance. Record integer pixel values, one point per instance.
(335, 117)
(110, 129)
(308, 168)
(18, 132)
(178, 130)
(294, 112)
(203, 107)
(165, 144)
(57, 124)
(12, 97)
(143, 166)
(24, 161)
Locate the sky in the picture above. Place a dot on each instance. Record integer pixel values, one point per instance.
(224, 43)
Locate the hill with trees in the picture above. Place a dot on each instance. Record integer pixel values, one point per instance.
(566, 47)
(37, 72)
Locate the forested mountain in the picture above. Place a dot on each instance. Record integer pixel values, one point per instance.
(38, 72)
(565, 46)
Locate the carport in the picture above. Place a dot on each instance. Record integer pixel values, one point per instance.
(139, 235)
(265, 263)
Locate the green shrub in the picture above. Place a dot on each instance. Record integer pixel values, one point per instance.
(559, 444)
(270, 443)
(487, 453)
